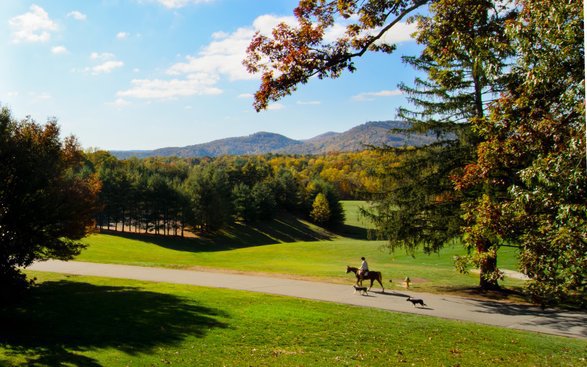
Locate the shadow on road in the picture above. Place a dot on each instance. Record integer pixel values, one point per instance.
(551, 318)
(394, 293)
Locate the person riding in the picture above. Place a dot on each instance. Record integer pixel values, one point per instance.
(364, 269)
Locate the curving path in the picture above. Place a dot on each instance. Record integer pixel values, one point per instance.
(514, 316)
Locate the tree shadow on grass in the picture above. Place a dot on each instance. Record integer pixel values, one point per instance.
(60, 319)
(354, 232)
(283, 229)
(506, 294)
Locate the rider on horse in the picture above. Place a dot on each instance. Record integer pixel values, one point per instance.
(364, 269)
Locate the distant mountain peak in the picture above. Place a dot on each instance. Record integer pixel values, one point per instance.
(372, 133)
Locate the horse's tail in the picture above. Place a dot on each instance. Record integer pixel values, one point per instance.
(379, 277)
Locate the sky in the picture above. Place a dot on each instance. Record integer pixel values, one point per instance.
(146, 74)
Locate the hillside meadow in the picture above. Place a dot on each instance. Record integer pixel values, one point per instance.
(290, 247)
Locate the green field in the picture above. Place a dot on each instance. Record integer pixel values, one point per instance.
(88, 321)
(293, 248)
(91, 321)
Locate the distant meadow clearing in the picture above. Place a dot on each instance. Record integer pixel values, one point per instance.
(291, 247)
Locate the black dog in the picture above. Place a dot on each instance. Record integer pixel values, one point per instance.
(416, 301)
(362, 290)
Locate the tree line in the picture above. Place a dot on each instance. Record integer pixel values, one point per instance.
(168, 195)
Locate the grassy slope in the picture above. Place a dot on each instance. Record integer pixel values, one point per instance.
(87, 321)
(289, 247)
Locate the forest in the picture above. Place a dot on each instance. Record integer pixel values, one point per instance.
(169, 195)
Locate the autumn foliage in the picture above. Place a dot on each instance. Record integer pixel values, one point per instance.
(47, 200)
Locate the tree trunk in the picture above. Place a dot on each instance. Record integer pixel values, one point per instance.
(487, 266)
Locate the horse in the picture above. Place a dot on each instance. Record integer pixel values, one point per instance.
(371, 275)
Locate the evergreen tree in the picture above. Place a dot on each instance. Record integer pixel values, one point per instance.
(463, 59)
(317, 187)
(209, 196)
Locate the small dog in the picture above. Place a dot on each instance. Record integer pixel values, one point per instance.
(416, 301)
(361, 290)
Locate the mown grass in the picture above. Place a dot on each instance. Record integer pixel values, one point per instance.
(293, 248)
(89, 321)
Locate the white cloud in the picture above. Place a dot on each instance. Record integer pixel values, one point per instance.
(275, 107)
(196, 84)
(219, 59)
(335, 32)
(266, 23)
(401, 32)
(107, 67)
(59, 50)
(119, 103)
(224, 55)
(34, 26)
(369, 96)
(246, 95)
(104, 56)
(220, 35)
(106, 63)
(199, 74)
(174, 4)
(122, 35)
(77, 15)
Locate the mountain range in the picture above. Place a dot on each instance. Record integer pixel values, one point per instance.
(373, 133)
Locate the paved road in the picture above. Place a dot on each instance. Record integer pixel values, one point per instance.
(523, 317)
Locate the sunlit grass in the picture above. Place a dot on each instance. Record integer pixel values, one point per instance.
(321, 259)
(89, 321)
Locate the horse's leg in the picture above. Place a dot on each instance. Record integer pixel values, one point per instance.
(371, 286)
(382, 289)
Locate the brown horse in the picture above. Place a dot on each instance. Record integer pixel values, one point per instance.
(371, 275)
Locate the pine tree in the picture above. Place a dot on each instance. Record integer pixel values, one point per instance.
(463, 59)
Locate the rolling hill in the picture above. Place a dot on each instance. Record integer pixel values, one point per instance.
(374, 133)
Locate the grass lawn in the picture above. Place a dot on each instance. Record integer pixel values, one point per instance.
(293, 248)
(88, 321)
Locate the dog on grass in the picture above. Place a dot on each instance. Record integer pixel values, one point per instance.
(361, 290)
(416, 301)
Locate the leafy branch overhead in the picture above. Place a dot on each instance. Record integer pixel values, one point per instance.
(291, 55)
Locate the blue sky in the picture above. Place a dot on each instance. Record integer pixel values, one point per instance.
(145, 74)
